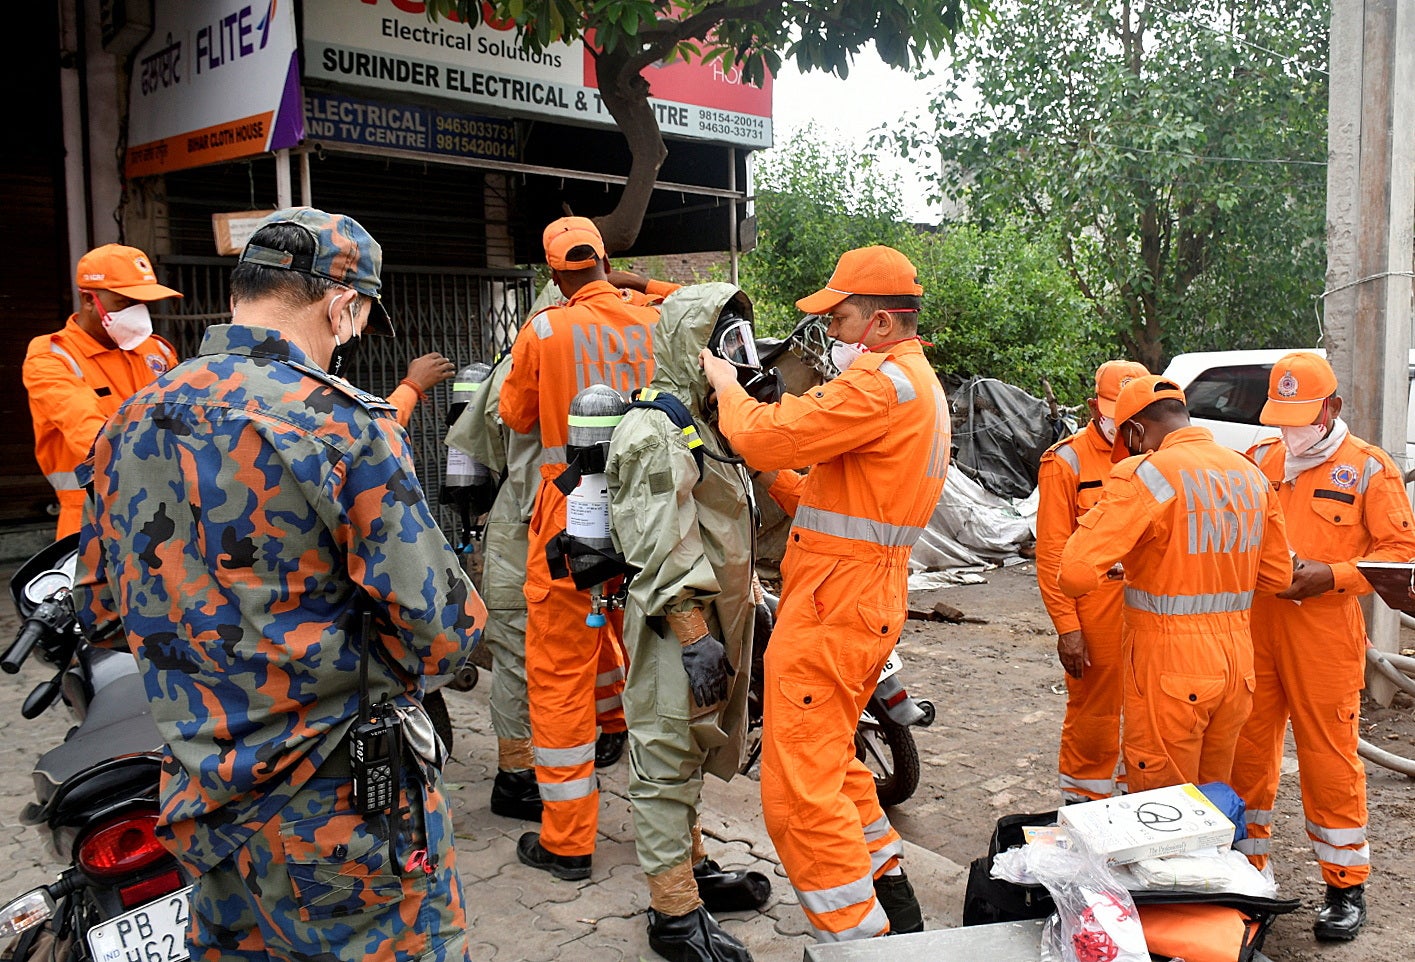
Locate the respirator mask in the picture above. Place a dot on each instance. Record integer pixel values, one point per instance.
(733, 341)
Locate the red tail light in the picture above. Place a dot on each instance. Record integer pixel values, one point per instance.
(121, 846)
(148, 889)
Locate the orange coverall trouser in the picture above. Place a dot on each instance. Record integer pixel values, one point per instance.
(1188, 691)
(835, 630)
(570, 669)
(1310, 661)
(1090, 731)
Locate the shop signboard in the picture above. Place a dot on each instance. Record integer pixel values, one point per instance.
(216, 81)
(338, 118)
(391, 45)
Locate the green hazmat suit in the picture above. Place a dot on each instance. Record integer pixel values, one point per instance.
(692, 539)
(480, 433)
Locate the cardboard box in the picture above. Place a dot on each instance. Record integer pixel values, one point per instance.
(233, 230)
(1164, 821)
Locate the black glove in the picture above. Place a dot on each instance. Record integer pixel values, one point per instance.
(705, 661)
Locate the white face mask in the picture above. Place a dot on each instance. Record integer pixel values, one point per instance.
(842, 355)
(1107, 426)
(1302, 439)
(128, 327)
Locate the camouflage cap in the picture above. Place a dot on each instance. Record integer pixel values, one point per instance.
(344, 253)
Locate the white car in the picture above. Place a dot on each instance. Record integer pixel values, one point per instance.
(1226, 390)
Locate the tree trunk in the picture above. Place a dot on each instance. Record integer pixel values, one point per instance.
(625, 95)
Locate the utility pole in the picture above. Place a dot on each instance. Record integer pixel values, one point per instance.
(1370, 220)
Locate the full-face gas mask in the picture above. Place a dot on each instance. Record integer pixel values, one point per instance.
(733, 341)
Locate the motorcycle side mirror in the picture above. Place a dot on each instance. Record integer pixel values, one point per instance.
(42, 697)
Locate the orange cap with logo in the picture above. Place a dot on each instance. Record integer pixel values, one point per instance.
(1297, 386)
(123, 270)
(567, 233)
(1134, 397)
(865, 270)
(1110, 378)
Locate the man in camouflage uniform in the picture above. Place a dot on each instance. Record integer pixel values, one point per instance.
(246, 508)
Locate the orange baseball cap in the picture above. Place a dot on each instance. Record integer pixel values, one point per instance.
(567, 233)
(1134, 397)
(123, 270)
(865, 270)
(1110, 378)
(1297, 386)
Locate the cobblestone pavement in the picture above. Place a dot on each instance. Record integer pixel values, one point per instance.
(515, 912)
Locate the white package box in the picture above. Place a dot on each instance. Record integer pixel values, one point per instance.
(1162, 821)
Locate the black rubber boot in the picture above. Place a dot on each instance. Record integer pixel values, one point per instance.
(695, 937)
(516, 795)
(571, 868)
(609, 748)
(896, 897)
(1341, 918)
(724, 891)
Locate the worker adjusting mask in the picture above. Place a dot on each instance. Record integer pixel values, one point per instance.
(733, 340)
(128, 327)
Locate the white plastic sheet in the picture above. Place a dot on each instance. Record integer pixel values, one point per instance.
(971, 528)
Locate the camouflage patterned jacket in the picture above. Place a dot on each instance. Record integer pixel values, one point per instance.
(241, 507)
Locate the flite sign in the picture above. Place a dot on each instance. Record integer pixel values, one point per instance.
(390, 45)
(217, 80)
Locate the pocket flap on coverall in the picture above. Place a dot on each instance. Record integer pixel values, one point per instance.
(1337, 512)
(1192, 689)
(338, 866)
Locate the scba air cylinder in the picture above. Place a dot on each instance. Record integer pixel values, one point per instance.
(594, 414)
(464, 471)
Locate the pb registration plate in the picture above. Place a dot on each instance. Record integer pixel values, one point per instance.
(155, 932)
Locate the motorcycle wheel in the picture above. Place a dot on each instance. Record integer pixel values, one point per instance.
(888, 751)
(436, 707)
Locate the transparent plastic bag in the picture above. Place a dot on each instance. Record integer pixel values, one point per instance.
(1095, 918)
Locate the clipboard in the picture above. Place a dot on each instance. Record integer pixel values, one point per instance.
(1393, 581)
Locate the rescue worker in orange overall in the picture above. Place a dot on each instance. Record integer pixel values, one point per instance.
(1344, 501)
(1087, 629)
(597, 337)
(80, 375)
(876, 440)
(1199, 533)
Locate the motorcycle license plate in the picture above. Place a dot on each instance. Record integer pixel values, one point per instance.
(891, 666)
(155, 932)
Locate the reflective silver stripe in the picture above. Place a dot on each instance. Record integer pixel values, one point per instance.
(859, 529)
(542, 326)
(877, 859)
(1155, 480)
(1253, 846)
(1068, 454)
(171, 359)
(1258, 816)
(609, 677)
(564, 757)
(822, 901)
(1337, 836)
(879, 828)
(873, 925)
(554, 455)
(73, 365)
(1342, 856)
(1261, 453)
(1103, 787)
(603, 705)
(1373, 468)
(63, 480)
(903, 387)
(1188, 604)
(568, 791)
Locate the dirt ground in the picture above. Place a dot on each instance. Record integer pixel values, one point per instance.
(1000, 695)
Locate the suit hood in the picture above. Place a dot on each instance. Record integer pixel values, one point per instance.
(686, 319)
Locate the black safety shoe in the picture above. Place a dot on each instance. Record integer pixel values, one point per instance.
(896, 897)
(724, 891)
(516, 795)
(1341, 918)
(695, 937)
(571, 868)
(609, 748)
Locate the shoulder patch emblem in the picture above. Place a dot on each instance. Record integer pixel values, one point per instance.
(1344, 476)
(1287, 385)
(157, 362)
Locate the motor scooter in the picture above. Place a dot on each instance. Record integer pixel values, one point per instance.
(122, 897)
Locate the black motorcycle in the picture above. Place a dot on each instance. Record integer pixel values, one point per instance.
(884, 737)
(122, 897)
